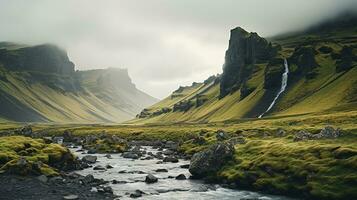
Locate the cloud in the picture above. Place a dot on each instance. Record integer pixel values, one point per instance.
(163, 43)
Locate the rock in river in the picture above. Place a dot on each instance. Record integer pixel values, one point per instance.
(181, 177)
(150, 179)
(211, 160)
(99, 167)
(171, 159)
(130, 155)
(137, 194)
(89, 159)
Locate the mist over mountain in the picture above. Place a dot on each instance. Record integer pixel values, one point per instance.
(40, 84)
(321, 77)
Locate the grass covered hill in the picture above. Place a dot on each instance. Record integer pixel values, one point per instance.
(39, 84)
(322, 78)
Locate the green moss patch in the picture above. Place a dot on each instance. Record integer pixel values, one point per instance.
(325, 169)
(24, 156)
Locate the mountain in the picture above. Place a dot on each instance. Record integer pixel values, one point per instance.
(321, 77)
(40, 84)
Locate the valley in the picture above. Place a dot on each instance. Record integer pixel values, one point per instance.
(279, 123)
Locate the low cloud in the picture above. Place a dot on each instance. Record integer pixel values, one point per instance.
(164, 44)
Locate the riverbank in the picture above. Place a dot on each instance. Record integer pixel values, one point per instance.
(286, 156)
(41, 188)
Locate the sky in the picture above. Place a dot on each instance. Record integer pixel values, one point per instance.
(164, 44)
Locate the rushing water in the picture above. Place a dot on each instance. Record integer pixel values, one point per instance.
(284, 83)
(133, 173)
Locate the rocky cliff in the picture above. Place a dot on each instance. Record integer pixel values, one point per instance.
(45, 58)
(245, 50)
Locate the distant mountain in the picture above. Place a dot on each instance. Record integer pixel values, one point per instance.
(322, 78)
(40, 84)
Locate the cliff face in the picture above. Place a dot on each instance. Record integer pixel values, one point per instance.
(43, 58)
(39, 84)
(244, 51)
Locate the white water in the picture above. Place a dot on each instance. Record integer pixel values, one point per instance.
(165, 188)
(284, 83)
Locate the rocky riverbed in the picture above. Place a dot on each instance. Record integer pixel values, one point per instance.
(149, 177)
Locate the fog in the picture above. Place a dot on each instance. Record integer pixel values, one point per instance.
(163, 44)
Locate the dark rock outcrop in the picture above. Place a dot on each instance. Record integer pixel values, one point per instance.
(209, 161)
(304, 58)
(183, 106)
(244, 51)
(43, 58)
(273, 72)
(345, 60)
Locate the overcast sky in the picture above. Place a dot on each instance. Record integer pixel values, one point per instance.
(164, 44)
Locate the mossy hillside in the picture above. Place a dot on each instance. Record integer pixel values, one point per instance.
(314, 85)
(40, 157)
(324, 169)
(52, 104)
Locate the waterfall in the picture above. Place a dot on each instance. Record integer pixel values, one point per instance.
(284, 83)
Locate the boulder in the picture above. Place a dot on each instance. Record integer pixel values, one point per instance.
(161, 170)
(221, 135)
(327, 132)
(280, 132)
(99, 167)
(171, 159)
(302, 135)
(88, 179)
(200, 140)
(150, 179)
(185, 166)
(168, 152)
(89, 159)
(137, 194)
(211, 160)
(130, 155)
(92, 151)
(67, 136)
(181, 177)
(108, 166)
(26, 130)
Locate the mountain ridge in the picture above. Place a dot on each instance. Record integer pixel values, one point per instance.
(39, 84)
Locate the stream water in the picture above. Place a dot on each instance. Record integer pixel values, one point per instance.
(284, 83)
(131, 174)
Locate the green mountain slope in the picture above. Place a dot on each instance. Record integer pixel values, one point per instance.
(39, 84)
(322, 78)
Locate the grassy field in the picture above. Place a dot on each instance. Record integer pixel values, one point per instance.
(317, 169)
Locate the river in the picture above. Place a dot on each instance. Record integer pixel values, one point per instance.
(131, 174)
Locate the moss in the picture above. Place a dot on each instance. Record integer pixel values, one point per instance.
(107, 146)
(37, 156)
(308, 169)
(48, 171)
